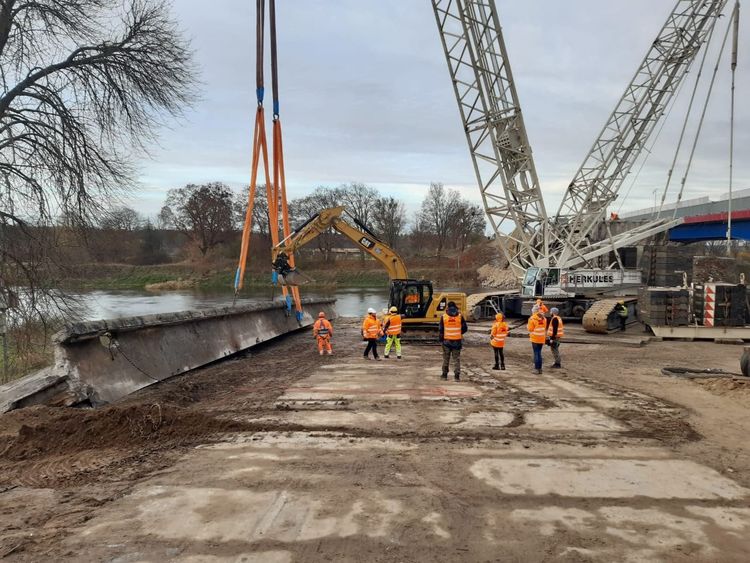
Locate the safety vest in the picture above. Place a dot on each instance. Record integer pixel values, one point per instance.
(323, 327)
(537, 329)
(499, 332)
(371, 327)
(452, 327)
(394, 326)
(543, 309)
(560, 329)
(622, 311)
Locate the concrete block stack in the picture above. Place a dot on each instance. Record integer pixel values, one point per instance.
(665, 264)
(720, 304)
(664, 306)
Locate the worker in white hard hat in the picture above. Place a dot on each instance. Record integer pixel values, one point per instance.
(371, 331)
(392, 330)
(323, 331)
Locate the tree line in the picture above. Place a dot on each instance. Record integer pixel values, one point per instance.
(210, 215)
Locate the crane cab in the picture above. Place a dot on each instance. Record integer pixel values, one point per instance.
(564, 282)
(419, 304)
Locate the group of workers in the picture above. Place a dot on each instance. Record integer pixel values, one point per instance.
(545, 327)
(545, 330)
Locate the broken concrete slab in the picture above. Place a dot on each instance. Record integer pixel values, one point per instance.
(99, 362)
(607, 478)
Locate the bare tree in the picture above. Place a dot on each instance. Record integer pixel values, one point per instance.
(359, 200)
(165, 218)
(437, 213)
(85, 84)
(204, 213)
(301, 209)
(467, 224)
(389, 219)
(121, 219)
(261, 219)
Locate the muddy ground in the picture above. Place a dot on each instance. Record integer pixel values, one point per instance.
(281, 455)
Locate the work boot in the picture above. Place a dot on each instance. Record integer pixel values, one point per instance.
(502, 367)
(321, 352)
(556, 366)
(444, 377)
(496, 366)
(538, 371)
(330, 352)
(386, 356)
(457, 377)
(398, 357)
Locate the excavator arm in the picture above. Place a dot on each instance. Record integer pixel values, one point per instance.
(332, 218)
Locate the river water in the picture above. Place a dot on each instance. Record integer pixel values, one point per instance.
(110, 304)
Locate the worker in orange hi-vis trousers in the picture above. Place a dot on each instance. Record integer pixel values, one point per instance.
(323, 331)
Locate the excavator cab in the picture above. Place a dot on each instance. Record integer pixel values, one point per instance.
(420, 305)
(411, 297)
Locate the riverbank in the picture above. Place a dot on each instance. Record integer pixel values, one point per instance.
(221, 276)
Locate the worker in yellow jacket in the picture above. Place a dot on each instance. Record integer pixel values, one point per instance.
(371, 331)
(498, 334)
(537, 327)
(392, 330)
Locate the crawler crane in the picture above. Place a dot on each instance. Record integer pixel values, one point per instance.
(546, 250)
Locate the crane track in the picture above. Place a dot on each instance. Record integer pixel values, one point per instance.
(596, 318)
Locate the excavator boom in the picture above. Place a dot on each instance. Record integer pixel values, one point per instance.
(332, 218)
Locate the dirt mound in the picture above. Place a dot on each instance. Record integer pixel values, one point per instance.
(497, 278)
(115, 427)
(735, 388)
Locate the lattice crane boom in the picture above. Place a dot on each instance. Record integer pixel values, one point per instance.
(491, 113)
(642, 106)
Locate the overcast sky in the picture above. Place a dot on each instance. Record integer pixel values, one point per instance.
(366, 96)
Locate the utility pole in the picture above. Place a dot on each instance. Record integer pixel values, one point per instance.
(735, 39)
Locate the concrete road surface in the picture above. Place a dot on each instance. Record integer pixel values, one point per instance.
(355, 460)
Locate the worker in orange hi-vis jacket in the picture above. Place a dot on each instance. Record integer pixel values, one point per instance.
(498, 335)
(323, 331)
(371, 331)
(542, 307)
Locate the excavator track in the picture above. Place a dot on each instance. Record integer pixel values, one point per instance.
(596, 318)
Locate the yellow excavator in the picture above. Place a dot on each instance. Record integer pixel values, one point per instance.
(416, 300)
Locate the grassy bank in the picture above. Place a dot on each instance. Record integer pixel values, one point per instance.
(221, 277)
(28, 348)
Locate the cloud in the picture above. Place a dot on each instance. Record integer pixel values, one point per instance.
(366, 96)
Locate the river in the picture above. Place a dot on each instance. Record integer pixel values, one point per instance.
(110, 304)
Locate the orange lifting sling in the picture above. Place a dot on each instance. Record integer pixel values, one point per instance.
(276, 190)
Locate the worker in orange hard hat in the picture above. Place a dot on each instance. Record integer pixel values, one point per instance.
(497, 339)
(542, 307)
(392, 330)
(323, 331)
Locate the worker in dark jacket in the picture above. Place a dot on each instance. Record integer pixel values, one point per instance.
(555, 333)
(622, 314)
(452, 328)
